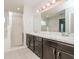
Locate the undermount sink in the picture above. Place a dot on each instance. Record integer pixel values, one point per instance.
(68, 34)
(65, 34)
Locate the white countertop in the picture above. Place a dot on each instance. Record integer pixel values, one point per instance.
(55, 36)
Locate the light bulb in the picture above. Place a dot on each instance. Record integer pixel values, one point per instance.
(48, 4)
(53, 1)
(37, 11)
(44, 7)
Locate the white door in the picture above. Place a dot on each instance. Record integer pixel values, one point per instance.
(17, 28)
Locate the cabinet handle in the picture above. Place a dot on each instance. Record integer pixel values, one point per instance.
(58, 55)
(53, 51)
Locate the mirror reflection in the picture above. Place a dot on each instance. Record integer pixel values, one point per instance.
(59, 21)
(55, 23)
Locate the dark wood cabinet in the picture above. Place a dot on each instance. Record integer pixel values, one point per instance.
(38, 46)
(56, 50)
(35, 44)
(65, 51)
(49, 49)
(27, 40)
(30, 42)
(64, 55)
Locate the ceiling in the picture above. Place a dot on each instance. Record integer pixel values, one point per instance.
(12, 5)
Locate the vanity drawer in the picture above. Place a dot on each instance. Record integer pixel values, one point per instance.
(51, 43)
(66, 48)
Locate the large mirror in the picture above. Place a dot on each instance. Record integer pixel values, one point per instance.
(58, 19)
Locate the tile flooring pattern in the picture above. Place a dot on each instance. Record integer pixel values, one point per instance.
(22, 53)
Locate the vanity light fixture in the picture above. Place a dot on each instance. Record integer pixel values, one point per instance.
(40, 9)
(47, 5)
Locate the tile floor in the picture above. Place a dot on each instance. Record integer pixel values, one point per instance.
(21, 53)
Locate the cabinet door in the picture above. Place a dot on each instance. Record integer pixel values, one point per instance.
(38, 46)
(48, 52)
(30, 42)
(27, 40)
(64, 55)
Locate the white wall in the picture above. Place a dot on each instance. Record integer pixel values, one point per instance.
(32, 21)
(6, 15)
(37, 22)
(6, 41)
(69, 20)
(8, 22)
(28, 21)
(72, 23)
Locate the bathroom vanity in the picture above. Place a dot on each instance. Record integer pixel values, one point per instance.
(48, 40)
(49, 48)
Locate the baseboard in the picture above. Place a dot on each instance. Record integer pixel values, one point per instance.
(15, 48)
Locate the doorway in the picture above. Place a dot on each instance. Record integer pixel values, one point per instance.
(16, 30)
(62, 25)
